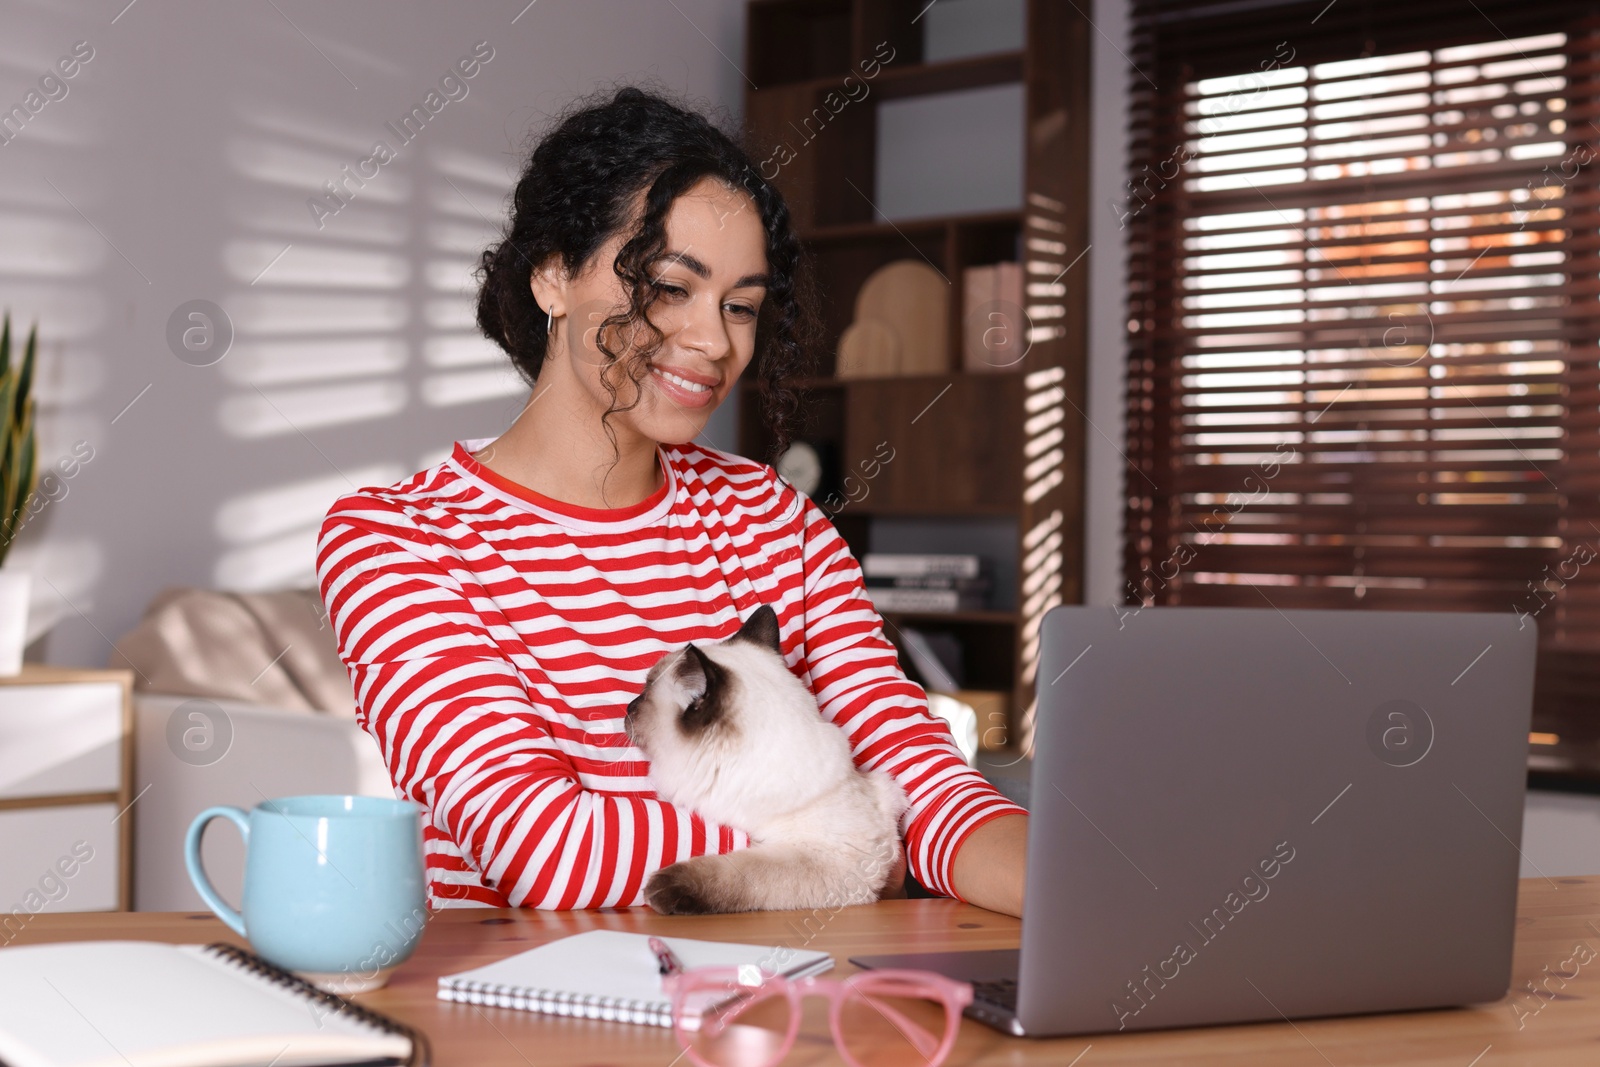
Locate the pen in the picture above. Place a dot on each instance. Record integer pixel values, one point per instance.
(666, 959)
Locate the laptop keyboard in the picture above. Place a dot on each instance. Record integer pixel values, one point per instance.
(1000, 992)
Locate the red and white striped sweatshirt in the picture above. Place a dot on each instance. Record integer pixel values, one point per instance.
(494, 637)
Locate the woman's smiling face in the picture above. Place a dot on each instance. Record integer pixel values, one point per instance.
(710, 282)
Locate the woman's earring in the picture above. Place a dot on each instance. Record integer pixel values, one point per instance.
(549, 321)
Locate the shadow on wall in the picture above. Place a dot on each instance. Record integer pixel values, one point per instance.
(49, 252)
(321, 316)
(246, 307)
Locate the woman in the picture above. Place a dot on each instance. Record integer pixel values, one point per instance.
(498, 611)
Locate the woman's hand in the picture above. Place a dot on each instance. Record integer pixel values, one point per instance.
(895, 887)
(989, 867)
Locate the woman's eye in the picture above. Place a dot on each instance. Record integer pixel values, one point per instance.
(673, 289)
(741, 309)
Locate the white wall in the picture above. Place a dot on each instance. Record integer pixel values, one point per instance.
(177, 167)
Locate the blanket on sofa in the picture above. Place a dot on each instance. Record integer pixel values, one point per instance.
(276, 649)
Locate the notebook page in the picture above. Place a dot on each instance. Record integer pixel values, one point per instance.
(618, 964)
(106, 1003)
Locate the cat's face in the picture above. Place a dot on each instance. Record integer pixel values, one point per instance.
(693, 697)
(730, 731)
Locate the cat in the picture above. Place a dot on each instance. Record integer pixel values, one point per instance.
(733, 735)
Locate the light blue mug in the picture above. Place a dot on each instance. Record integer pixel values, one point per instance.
(333, 885)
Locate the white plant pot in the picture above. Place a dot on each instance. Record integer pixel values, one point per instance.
(15, 586)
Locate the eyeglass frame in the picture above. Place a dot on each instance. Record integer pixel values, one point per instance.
(953, 995)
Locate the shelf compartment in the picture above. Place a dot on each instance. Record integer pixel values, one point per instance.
(820, 423)
(895, 230)
(896, 79)
(953, 451)
(986, 617)
(843, 267)
(988, 652)
(799, 41)
(897, 82)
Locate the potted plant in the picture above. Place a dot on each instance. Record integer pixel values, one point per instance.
(18, 476)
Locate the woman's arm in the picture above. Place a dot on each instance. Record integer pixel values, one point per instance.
(856, 676)
(990, 868)
(462, 735)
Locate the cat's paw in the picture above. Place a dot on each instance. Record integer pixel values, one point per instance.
(681, 889)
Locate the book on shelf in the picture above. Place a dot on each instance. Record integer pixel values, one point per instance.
(993, 333)
(922, 565)
(930, 600)
(979, 585)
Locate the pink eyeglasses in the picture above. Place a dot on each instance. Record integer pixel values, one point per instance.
(743, 1017)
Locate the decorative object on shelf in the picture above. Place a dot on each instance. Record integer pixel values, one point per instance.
(992, 707)
(856, 485)
(18, 474)
(900, 323)
(936, 660)
(962, 719)
(795, 467)
(936, 657)
(868, 349)
(994, 321)
(802, 466)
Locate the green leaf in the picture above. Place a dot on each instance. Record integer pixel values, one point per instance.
(25, 383)
(18, 461)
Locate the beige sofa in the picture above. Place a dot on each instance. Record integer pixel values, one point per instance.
(273, 752)
(238, 698)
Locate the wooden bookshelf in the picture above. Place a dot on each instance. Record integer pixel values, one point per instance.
(987, 615)
(991, 449)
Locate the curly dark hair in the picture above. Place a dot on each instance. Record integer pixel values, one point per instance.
(579, 188)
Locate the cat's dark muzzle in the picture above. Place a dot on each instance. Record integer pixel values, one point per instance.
(630, 717)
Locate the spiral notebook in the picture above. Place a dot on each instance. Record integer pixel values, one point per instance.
(115, 1003)
(610, 974)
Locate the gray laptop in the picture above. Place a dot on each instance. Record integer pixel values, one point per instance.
(1242, 814)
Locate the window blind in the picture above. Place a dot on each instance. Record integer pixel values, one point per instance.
(1363, 334)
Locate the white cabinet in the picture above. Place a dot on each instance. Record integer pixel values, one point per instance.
(59, 859)
(66, 768)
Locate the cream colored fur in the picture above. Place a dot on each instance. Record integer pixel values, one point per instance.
(823, 832)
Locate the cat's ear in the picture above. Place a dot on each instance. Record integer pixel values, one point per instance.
(703, 680)
(761, 628)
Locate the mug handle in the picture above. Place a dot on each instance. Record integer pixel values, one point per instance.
(197, 871)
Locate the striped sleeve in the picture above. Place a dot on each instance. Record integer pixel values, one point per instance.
(856, 675)
(463, 736)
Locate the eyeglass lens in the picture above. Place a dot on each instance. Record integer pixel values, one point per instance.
(741, 1027)
(881, 1024)
(886, 1025)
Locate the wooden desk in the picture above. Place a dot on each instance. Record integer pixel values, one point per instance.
(1553, 918)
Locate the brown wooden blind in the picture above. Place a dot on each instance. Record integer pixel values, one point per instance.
(1364, 335)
